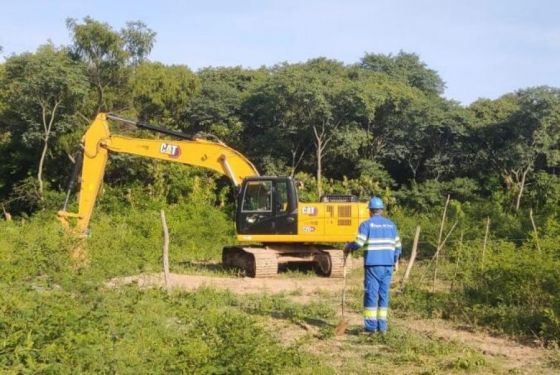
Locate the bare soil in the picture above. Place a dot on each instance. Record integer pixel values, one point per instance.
(511, 355)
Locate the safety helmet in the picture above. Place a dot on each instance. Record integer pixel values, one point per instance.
(376, 203)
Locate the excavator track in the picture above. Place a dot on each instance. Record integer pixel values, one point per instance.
(255, 261)
(330, 263)
(263, 261)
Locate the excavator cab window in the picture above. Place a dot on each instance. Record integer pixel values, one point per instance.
(258, 197)
(267, 205)
(281, 196)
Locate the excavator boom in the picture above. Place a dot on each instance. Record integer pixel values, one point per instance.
(98, 142)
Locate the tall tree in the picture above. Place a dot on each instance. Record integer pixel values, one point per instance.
(40, 91)
(526, 140)
(138, 41)
(295, 107)
(217, 106)
(108, 52)
(406, 67)
(162, 93)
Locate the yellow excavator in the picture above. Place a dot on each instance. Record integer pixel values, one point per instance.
(268, 210)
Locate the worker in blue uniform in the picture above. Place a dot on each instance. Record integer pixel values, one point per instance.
(381, 256)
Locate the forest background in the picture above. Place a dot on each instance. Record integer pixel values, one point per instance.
(379, 126)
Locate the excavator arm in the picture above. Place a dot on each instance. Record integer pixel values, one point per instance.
(98, 142)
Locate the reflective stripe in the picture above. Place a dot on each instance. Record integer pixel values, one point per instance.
(370, 313)
(382, 313)
(381, 240)
(360, 242)
(380, 247)
(362, 237)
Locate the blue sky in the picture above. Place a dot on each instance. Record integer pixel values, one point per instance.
(479, 48)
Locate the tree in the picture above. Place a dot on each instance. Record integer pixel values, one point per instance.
(295, 107)
(425, 135)
(41, 91)
(162, 93)
(405, 67)
(138, 41)
(107, 53)
(217, 106)
(526, 137)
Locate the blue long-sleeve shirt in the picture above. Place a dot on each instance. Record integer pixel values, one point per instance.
(381, 237)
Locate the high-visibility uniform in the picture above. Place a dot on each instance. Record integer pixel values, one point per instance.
(383, 248)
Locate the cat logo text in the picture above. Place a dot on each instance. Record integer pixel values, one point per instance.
(172, 150)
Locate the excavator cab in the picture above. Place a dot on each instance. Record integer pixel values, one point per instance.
(267, 205)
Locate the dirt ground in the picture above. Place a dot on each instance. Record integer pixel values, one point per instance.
(512, 355)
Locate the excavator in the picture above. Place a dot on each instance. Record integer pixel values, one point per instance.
(273, 227)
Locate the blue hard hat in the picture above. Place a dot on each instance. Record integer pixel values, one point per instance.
(376, 203)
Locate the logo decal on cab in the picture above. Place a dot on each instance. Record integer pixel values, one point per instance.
(307, 210)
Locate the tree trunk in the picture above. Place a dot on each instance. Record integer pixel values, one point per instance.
(41, 164)
(319, 171)
(99, 97)
(47, 127)
(521, 188)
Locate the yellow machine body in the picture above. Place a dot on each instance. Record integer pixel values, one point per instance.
(320, 223)
(294, 231)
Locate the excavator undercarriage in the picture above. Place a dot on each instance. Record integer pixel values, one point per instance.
(263, 261)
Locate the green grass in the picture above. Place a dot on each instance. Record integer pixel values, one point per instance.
(133, 331)
(56, 317)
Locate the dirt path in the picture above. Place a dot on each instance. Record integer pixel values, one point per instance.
(305, 287)
(516, 355)
(510, 354)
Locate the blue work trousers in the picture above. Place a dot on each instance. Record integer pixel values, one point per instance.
(377, 280)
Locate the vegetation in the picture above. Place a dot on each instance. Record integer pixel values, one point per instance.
(379, 126)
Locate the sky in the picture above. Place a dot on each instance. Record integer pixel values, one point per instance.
(481, 49)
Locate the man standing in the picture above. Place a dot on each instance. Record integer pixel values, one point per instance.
(380, 256)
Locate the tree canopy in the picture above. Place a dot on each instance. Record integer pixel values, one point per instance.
(380, 123)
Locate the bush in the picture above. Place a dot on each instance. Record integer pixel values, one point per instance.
(516, 291)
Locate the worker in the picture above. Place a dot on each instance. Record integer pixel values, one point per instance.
(381, 257)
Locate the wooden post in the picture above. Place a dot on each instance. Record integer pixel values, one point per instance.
(436, 255)
(7, 215)
(458, 259)
(412, 258)
(443, 221)
(165, 249)
(440, 249)
(485, 242)
(535, 229)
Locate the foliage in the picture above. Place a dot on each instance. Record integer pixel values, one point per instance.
(58, 318)
(41, 93)
(162, 93)
(380, 126)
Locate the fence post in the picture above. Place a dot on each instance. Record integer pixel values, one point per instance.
(485, 242)
(412, 258)
(165, 249)
(535, 229)
(439, 243)
(459, 255)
